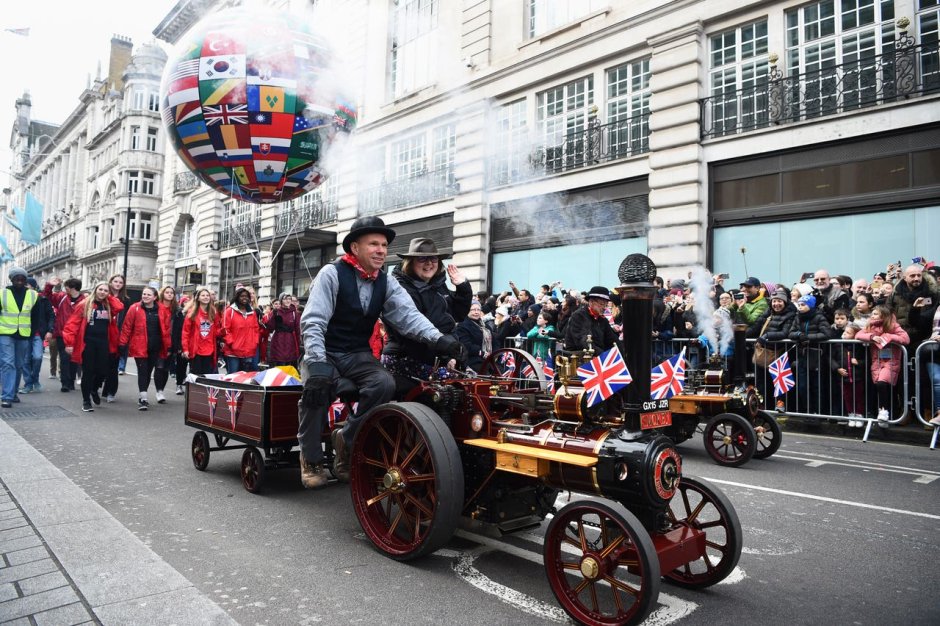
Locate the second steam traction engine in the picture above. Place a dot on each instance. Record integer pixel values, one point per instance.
(497, 451)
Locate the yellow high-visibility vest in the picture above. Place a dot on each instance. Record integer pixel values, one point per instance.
(13, 320)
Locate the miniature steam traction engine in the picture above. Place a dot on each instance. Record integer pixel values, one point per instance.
(736, 426)
(496, 452)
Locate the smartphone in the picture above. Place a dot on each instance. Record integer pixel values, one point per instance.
(917, 259)
(928, 301)
(739, 296)
(806, 275)
(725, 276)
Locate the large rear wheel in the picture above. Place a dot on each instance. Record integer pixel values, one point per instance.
(406, 480)
(601, 563)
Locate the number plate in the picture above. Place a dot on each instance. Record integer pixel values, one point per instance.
(656, 419)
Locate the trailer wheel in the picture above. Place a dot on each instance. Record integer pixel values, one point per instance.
(769, 435)
(406, 480)
(700, 506)
(601, 563)
(729, 439)
(200, 450)
(252, 469)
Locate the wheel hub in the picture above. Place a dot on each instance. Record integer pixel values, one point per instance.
(393, 481)
(727, 440)
(590, 568)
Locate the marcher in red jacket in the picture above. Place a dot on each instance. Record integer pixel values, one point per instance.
(200, 334)
(283, 322)
(72, 300)
(146, 337)
(91, 340)
(241, 333)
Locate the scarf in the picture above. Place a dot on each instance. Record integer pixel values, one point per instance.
(486, 345)
(352, 260)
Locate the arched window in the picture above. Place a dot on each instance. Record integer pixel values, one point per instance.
(95, 202)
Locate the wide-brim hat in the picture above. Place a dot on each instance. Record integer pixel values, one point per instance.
(422, 246)
(366, 226)
(599, 292)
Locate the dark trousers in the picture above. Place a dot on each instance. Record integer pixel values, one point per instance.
(177, 364)
(110, 377)
(151, 366)
(53, 357)
(66, 367)
(376, 386)
(202, 364)
(96, 363)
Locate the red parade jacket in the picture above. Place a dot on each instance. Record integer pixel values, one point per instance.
(241, 332)
(193, 342)
(73, 335)
(134, 331)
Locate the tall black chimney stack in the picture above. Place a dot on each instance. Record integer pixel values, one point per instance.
(636, 275)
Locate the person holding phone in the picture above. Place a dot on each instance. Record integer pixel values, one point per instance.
(914, 302)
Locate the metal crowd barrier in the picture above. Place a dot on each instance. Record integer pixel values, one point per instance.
(927, 356)
(820, 392)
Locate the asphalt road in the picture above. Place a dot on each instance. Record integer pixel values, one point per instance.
(835, 531)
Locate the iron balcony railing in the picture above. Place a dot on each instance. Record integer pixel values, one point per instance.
(907, 71)
(598, 143)
(423, 186)
(185, 181)
(309, 215)
(240, 235)
(49, 252)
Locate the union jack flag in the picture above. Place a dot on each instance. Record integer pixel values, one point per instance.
(508, 362)
(528, 371)
(668, 377)
(212, 396)
(231, 399)
(549, 372)
(782, 375)
(604, 375)
(225, 114)
(338, 412)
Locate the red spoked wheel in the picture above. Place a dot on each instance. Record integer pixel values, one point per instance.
(406, 480)
(515, 364)
(200, 450)
(701, 506)
(252, 469)
(729, 439)
(601, 563)
(769, 435)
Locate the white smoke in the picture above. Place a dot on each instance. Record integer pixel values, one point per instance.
(717, 329)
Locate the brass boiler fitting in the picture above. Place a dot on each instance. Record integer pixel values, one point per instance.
(569, 401)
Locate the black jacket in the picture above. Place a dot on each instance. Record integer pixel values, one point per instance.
(779, 327)
(42, 317)
(916, 321)
(812, 328)
(470, 334)
(442, 308)
(582, 324)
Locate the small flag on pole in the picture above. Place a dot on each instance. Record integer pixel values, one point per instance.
(23, 32)
(668, 378)
(782, 375)
(604, 375)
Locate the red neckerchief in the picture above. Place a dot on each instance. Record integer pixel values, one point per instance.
(352, 260)
(594, 315)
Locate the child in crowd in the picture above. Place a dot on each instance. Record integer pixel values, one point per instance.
(848, 390)
(885, 335)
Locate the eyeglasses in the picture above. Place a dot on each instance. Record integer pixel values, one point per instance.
(820, 280)
(426, 259)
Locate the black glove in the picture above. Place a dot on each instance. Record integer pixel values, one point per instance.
(448, 345)
(762, 341)
(318, 387)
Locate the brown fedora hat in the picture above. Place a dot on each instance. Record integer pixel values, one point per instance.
(422, 246)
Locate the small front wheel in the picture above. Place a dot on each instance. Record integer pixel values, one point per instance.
(729, 439)
(200, 450)
(769, 435)
(252, 469)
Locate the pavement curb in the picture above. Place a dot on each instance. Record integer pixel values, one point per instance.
(63, 555)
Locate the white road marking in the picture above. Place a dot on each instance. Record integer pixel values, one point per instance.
(463, 566)
(923, 476)
(736, 576)
(861, 505)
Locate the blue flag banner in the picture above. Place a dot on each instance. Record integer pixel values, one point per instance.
(14, 221)
(31, 222)
(5, 254)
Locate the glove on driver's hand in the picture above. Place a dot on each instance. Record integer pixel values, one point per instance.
(319, 385)
(448, 345)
